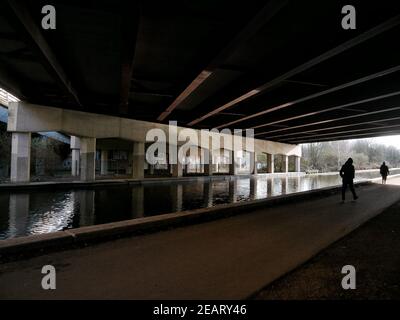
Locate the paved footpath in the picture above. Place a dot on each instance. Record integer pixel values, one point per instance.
(230, 258)
(374, 252)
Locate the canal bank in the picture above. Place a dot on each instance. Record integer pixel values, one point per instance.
(223, 259)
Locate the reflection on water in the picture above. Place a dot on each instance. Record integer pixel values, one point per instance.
(43, 212)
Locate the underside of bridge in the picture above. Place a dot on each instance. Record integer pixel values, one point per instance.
(285, 68)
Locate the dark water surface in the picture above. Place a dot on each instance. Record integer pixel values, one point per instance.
(42, 211)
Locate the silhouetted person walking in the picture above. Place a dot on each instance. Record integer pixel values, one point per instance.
(384, 172)
(347, 173)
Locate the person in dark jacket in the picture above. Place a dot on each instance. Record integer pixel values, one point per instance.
(347, 173)
(384, 172)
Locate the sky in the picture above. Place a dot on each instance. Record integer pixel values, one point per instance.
(389, 141)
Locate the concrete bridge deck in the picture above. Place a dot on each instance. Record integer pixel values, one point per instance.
(225, 259)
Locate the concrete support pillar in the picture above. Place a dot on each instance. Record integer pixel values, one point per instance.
(285, 159)
(177, 170)
(253, 163)
(20, 157)
(104, 162)
(297, 164)
(138, 160)
(232, 162)
(270, 163)
(208, 165)
(130, 162)
(75, 162)
(75, 155)
(88, 159)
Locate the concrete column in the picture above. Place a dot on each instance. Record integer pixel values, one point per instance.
(208, 165)
(285, 159)
(130, 162)
(297, 164)
(232, 164)
(270, 163)
(169, 167)
(186, 169)
(20, 157)
(75, 155)
(177, 170)
(138, 160)
(88, 159)
(104, 162)
(75, 162)
(253, 163)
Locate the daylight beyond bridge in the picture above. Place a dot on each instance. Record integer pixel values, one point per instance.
(212, 64)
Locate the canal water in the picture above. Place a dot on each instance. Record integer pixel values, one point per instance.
(40, 211)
